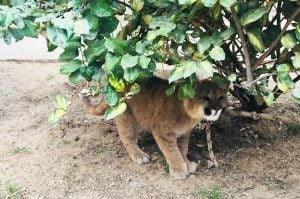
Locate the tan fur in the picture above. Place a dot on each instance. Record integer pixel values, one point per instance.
(169, 119)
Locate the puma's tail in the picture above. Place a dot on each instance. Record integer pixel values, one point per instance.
(98, 109)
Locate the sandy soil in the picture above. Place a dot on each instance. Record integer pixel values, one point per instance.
(83, 158)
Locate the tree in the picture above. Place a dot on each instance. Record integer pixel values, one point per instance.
(119, 43)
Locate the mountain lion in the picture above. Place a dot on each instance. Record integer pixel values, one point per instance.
(169, 119)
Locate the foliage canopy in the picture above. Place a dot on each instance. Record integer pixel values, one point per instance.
(119, 43)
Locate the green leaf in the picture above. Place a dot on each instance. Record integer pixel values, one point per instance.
(296, 60)
(288, 41)
(115, 111)
(81, 27)
(92, 19)
(162, 25)
(131, 74)
(216, 39)
(70, 67)
(29, 30)
(227, 33)
(227, 3)
(50, 46)
(144, 61)
(117, 46)
(203, 44)
(68, 55)
(75, 77)
(189, 67)
(283, 68)
(232, 77)
(108, 24)
(253, 15)
(95, 50)
(255, 39)
(137, 5)
(221, 81)
(97, 76)
(284, 82)
(57, 36)
(297, 31)
(217, 53)
(268, 97)
(296, 95)
(186, 2)
(117, 84)
(129, 61)
(72, 45)
(60, 102)
(209, 3)
(16, 33)
(111, 62)
(176, 73)
(186, 91)
(111, 98)
(205, 69)
(101, 8)
(170, 90)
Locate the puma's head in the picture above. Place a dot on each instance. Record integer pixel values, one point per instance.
(208, 103)
(213, 98)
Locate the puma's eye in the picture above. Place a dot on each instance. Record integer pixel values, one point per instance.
(205, 98)
(221, 98)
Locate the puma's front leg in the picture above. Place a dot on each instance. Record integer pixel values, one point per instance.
(183, 145)
(167, 143)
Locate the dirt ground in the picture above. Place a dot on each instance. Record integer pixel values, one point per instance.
(81, 157)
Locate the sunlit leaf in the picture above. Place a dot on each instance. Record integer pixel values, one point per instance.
(129, 61)
(227, 3)
(144, 61)
(111, 62)
(209, 3)
(70, 67)
(57, 35)
(288, 41)
(217, 53)
(113, 112)
(137, 5)
(296, 60)
(283, 68)
(284, 82)
(255, 39)
(232, 77)
(296, 95)
(81, 27)
(253, 15)
(117, 84)
(131, 74)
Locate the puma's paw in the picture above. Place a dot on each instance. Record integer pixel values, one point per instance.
(192, 167)
(179, 174)
(142, 158)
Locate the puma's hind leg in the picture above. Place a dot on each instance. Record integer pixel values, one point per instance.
(183, 145)
(127, 131)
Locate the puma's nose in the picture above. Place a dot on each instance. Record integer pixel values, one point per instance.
(207, 111)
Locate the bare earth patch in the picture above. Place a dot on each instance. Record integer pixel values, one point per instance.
(82, 158)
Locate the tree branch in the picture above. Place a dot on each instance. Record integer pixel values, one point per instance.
(244, 45)
(275, 43)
